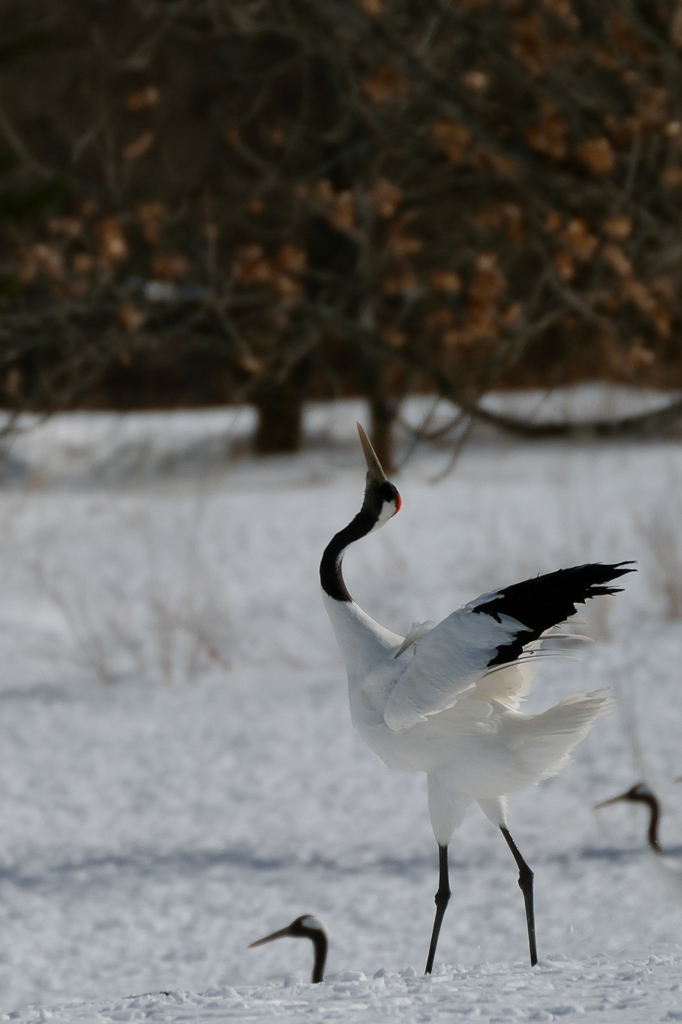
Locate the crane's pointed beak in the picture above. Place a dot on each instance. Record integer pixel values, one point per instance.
(374, 467)
(271, 938)
(613, 800)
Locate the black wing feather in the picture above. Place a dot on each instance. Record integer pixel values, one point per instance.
(545, 601)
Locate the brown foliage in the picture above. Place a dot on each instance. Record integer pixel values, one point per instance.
(356, 197)
(386, 84)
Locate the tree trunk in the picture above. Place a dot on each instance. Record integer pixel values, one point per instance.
(280, 418)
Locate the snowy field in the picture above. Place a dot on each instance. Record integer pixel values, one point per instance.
(178, 772)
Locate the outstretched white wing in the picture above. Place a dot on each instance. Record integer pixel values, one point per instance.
(449, 659)
(494, 630)
(414, 633)
(507, 684)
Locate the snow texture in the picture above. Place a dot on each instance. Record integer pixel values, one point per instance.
(178, 772)
(598, 988)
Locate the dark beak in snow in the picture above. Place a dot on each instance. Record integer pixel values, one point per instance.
(639, 793)
(374, 467)
(271, 938)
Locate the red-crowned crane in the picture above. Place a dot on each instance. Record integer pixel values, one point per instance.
(444, 699)
(642, 794)
(304, 927)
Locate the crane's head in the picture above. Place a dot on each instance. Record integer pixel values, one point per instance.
(382, 500)
(638, 794)
(641, 794)
(304, 927)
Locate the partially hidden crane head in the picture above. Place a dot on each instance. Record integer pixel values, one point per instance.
(641, 794)
(305, 927)
(382, 500)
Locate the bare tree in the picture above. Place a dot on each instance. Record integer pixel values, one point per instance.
(303, 197)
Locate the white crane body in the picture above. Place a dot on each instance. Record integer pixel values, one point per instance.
(445, 699)
(477, 742)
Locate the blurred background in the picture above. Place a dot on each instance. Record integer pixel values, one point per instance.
(208, 202)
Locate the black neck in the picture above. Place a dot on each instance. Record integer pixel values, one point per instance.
(331, 576)
(655, 816)
(319, 941)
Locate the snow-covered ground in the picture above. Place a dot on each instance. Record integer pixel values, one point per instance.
(178, 773)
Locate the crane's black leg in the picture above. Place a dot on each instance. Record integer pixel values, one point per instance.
(526, 887)
(442, 900)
